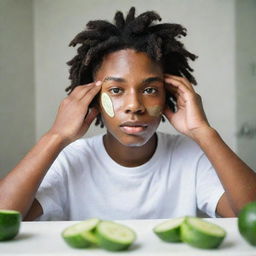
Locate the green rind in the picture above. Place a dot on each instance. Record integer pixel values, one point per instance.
(199, 239)
(83, 239)
(77, 241)
(170, 235)
(247, 223)
(109, 244)
(9, 224)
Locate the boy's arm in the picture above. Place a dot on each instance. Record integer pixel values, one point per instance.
(238, 180)
(18, 187)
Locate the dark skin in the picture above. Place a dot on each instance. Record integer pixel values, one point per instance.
(132, 99)
(131, 95)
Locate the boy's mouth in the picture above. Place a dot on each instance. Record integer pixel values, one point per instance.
(133, 127)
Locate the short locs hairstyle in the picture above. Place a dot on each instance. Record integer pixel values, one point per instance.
(159, 41)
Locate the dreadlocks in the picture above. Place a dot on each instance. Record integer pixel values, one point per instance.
(140, 33)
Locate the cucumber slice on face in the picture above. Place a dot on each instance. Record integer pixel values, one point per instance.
(169, 231)
(201, 234)
(107, 104)
(113, 236)
(9, 224)
(81, 235)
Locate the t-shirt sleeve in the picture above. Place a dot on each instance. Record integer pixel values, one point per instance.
(52, 193)
(208, 187)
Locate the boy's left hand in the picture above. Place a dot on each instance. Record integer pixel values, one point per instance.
(190, 118)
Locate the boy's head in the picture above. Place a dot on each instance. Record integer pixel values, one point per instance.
(130, 37)
(132, 96)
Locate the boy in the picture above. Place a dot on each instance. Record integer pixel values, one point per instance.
(127, 76)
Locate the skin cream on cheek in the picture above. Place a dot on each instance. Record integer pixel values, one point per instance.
(107, 104)
(108, 107)
(154, 110)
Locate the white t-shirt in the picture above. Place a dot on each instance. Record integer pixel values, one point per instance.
(85, 182)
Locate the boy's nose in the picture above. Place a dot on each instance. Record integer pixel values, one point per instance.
(134, 105)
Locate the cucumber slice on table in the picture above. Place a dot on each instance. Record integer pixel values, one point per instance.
(81, 235)
(113, 236)
(169, 231)
(9, 224)
(201, 234)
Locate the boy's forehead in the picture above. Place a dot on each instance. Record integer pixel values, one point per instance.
(128, 61)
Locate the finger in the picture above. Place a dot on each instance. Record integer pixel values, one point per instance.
(180, 86)
(168, 113)
(181, 102)
(170, 88)
(183, 80)
(91, 93)
(81, 90)
(92, 114)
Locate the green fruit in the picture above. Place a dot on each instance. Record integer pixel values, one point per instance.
(201, 234)
(247, 223)
(81, 235)
(169, 231)
(113, 236)
(9, 224)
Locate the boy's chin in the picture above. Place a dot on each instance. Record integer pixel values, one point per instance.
(132, 141)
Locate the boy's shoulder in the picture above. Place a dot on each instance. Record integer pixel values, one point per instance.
(84, 145)
(178, 139)
(179, 142)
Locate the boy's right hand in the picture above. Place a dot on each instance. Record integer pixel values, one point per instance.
(72, 120)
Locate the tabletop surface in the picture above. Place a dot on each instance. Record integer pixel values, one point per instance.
(43, 238)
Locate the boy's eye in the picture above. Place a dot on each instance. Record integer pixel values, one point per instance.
(150, 90)
(115, 90)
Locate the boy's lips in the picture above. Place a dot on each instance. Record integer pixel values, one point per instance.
(133, 127)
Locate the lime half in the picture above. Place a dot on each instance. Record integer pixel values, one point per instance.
(169, 231)
(81, 235)
(113, 236)
(201, 234)
(9, 224)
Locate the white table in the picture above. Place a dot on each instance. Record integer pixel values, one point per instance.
(43, 238)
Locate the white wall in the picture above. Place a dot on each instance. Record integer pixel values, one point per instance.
(50, 25)
(17, 122)
(246, 79)
(210, 27)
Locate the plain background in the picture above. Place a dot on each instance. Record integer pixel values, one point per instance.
(34, 50)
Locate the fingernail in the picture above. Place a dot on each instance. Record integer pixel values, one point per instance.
(98, 83)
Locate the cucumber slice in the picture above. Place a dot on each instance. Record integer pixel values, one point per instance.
(201, 234)
(113, 236)
(9, 224)
(107, 104)
(81, 235)
(169, 231)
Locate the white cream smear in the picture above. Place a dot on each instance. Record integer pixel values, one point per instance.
(107, 104)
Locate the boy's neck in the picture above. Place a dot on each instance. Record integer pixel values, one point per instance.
(129, 156)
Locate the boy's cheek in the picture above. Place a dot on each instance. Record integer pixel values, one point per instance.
(155, 110)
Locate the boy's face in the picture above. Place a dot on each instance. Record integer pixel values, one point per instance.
(132, 96)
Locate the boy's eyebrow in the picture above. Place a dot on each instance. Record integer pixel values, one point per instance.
(112, 78)
(145, 81)
(153, 79)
